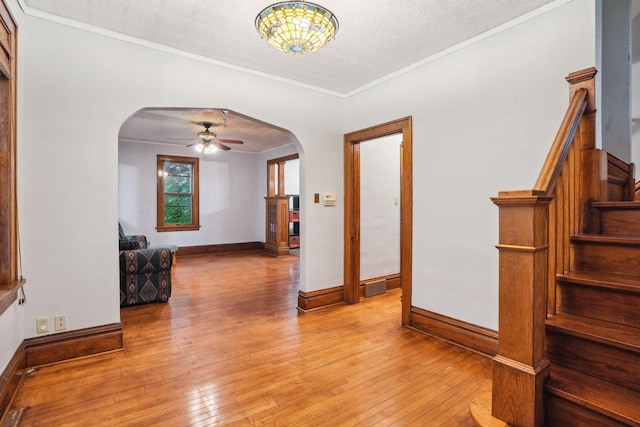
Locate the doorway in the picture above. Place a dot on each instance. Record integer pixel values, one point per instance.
(282, 215)
(352, 208)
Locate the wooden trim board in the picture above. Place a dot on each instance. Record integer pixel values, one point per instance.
(12, 377)
(475, 338)
(216, 249)
(9, 293)
(351, 199)
(54, 348)
(70, 345)
(314, 300)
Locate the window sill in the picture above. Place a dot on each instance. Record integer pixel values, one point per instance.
(177, 228)
(9, 293)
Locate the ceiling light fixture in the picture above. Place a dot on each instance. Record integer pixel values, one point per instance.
(296, 27)
(206, 145)
(209, 142)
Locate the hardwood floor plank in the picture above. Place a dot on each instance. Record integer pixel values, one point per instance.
(230, 348)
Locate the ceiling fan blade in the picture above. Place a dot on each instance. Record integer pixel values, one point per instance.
(191, 145)
(221, 146)
(180, 139)
(231, 141)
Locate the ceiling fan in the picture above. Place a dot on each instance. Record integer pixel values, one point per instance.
(209, 142)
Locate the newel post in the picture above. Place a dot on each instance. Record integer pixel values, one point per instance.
(520, 368)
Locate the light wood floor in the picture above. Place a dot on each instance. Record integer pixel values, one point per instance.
(231, 349)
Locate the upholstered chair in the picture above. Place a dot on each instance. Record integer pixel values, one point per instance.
(145, 273)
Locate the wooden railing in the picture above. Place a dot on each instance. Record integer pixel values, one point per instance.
(556, 159)
(534, 230)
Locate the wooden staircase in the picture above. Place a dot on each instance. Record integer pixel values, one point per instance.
(593, 340)
(569, 299)
(593, 331)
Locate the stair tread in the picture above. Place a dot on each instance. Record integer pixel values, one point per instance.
(604, 238)
(614, 401)
(616, 335)
(629, 204)
(604, 280)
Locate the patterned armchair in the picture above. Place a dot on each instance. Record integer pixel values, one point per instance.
(145, 273)
(136, 241)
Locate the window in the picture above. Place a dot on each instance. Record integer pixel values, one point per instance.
(178, 199)
(11, 280)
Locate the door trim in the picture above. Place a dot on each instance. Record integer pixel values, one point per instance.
(352, 208)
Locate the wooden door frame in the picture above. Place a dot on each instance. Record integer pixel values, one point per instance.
(352, 208)
(276, 196)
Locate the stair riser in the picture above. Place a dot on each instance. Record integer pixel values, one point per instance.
(561, 413)
(607, 258)
(593, 358)
(624, 222)
(597, 303)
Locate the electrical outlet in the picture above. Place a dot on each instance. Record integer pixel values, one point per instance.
(60, 323)
(42, 325)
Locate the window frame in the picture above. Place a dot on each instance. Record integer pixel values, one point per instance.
(11, 280)
(195, 193)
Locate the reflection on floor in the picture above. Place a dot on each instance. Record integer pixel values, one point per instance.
(230, 348)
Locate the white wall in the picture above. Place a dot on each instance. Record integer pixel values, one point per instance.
(635, 85)
(380, 207)
(484, 118)
(229, 207)
(292, 176)
(635, 114)
(613, 61)
(11, 332)
(80, 87)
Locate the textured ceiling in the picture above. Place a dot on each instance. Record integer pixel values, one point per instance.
(376, 37)
(390, 36)
(180, 126)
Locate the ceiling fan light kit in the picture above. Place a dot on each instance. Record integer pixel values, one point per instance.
(205, 147)
(206, 135)
(296, 27)
(209, 142)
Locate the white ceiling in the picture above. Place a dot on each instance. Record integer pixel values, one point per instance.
(376, 39)
(180, 126)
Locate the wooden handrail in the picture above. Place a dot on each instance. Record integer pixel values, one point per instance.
(557, 156)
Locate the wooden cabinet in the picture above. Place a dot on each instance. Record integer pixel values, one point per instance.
(276, 242)
(294, 221)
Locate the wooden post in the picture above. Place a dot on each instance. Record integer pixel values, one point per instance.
(271, 179)
(533, 249)
(521, 368)
(281, 179)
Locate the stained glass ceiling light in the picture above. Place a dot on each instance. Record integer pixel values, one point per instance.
(296, 27)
